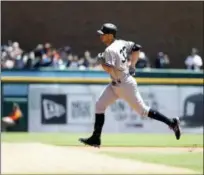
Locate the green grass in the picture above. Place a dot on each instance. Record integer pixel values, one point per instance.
(193, 161)
(146, 140)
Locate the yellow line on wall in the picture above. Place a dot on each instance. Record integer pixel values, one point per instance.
(170, 80)
(198, 81)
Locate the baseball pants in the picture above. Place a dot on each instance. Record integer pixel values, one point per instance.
(126, 90)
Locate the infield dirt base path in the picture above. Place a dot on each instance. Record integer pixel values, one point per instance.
(25, 158)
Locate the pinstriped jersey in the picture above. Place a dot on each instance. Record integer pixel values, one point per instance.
(117, 55)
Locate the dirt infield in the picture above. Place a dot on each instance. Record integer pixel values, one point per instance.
(40, 158)
(165, 150)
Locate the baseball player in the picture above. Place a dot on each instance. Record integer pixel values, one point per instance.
(114, 61)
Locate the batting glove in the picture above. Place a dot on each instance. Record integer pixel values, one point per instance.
(100, 58)
(132, 71)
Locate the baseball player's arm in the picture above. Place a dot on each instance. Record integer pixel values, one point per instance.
(135, 54)
(107, 68)
(101, 60)
(109, 62)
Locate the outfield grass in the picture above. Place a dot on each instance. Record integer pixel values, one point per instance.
(190, 160)
(136, 140)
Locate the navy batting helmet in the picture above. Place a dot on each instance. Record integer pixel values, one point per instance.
(108, 28)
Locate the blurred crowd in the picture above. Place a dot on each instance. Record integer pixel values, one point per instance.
(45, 55)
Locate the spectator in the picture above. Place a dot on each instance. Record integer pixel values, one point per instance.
(55, 57)
(162, 61)
(143, 61)
(16, 50)
(89, 60)
(61, 64)
(38, 52)
(83, 63)
(47, 47)
(20, 61)
(57, 60)
(43, 61)
(194, 61)
(64, 52)
(9, 63)
(28, 64)
(4, 57)
(9, 51)
(74, 63)
(30, 60)
(167, 60)
(32, 56)
(69, 60)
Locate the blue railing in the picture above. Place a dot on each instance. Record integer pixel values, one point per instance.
(146, 73)
(16, 82)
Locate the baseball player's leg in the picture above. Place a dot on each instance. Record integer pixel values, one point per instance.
(106, 98)
(131, 94)
(134, 99)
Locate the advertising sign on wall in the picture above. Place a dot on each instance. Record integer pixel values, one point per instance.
(53, 109)
(59, 109)
(81, 108)
(71, 108)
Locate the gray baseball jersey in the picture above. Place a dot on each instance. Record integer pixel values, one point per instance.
(116, 55)
(123, 85)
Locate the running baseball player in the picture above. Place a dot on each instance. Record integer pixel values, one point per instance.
(114, 61)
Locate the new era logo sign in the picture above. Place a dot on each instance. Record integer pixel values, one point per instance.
(53, 109)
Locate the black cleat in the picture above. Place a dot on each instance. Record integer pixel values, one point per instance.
(176, 128)
(91, 141)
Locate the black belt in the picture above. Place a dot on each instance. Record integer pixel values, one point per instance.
(116, 82)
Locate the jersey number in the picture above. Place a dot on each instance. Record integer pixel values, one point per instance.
(123, 52)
